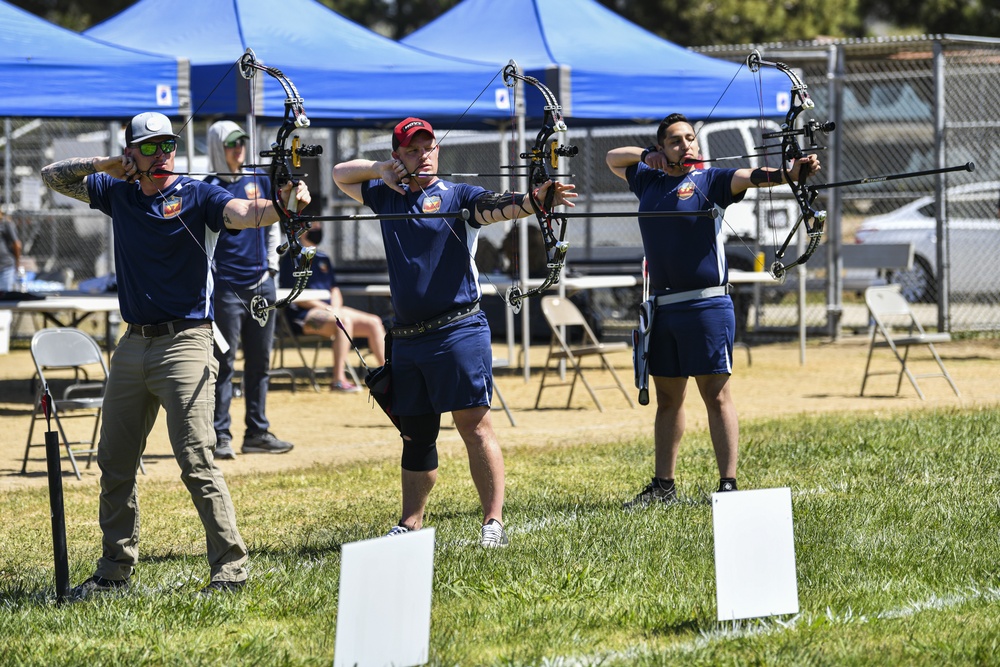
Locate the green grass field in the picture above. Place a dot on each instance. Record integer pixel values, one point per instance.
(897, 522)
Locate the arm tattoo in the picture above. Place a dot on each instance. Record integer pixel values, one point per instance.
(491, 205)
(68, 177)
(766, 178)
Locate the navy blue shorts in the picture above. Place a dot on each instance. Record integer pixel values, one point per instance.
(443, 370)
(693, 338)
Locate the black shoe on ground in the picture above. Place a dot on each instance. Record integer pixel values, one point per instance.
(727, 484)
(653, 493)
(265, 442)
(224, 448)
(97, 584)
(222, 587)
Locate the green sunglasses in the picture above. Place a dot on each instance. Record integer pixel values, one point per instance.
(149, 148)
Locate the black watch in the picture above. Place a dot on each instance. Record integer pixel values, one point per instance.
(650, 149)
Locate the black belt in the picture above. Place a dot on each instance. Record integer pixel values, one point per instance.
(436, 323)
(167, 328)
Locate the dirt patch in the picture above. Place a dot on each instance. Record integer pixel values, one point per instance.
(333, 428)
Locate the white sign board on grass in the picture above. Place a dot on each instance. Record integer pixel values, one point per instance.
(754, 554)
(384, 610)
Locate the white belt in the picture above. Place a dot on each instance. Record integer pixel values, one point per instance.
(691, 295)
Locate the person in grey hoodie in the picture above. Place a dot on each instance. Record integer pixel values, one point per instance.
(245, 265)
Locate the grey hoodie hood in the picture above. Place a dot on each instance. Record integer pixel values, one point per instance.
(217, 134)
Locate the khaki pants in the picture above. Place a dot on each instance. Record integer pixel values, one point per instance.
(177, 372)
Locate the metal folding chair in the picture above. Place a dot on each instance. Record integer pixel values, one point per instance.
(562, 315)
(890, 311)
(70, 363)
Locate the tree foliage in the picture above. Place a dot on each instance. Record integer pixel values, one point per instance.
(77, 15)
(741, 21)
(680, 21)
(960, 17)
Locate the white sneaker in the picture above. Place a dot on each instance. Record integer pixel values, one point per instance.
(397, 530)
(493, 535)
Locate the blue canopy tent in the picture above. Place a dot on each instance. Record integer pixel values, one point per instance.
(346, 74)
(48, 71)
(601, 67)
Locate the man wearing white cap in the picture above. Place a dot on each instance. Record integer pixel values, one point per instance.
(165, 228)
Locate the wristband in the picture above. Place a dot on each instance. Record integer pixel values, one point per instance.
(647, 151)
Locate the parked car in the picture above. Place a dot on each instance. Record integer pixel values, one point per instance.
(973, 240)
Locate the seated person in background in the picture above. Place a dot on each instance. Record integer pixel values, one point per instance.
(537, 261)
(319, 318)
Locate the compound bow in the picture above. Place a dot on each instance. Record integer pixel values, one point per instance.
(812, 219)
(285, 153)
(545, 152)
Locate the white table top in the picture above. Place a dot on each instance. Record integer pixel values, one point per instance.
(101, 303)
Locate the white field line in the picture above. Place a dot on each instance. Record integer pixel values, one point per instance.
(761, 627)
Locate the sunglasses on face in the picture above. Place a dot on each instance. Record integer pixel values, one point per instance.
(148, 148)
(239, 143)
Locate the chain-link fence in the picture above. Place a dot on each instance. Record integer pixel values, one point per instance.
(899, 105)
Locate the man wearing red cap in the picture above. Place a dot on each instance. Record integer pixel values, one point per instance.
(440, 349)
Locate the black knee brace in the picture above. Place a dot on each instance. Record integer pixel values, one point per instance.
(420, 442)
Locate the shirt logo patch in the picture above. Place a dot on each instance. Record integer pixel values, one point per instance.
(431, 204)
(251, 190)
(685, 190)
(171, 207)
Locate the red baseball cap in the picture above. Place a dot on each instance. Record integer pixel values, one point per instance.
(403, 133)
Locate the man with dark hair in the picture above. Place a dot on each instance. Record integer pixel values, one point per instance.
(692, 320)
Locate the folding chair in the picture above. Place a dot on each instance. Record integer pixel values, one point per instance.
(284, 338)
(562, 313)
(888, 309)
(73, 360)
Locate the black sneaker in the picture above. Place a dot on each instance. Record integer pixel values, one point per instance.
(653, 493)
(222, 587)
(97, 584)
(265, 443)
(224, 448)
(727, 484)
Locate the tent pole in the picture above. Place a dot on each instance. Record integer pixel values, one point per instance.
(523, 236)
(505, 186)
(189, 140)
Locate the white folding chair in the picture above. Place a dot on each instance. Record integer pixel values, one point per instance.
(890, 311)
(71, 365)
(562, 316)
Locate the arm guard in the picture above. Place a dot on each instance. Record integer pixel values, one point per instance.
(490, 205)
(766, 177)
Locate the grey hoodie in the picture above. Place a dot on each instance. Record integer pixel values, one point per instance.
(217, 134)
